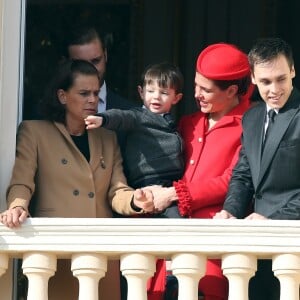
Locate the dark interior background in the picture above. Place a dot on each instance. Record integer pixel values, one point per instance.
(141, 32)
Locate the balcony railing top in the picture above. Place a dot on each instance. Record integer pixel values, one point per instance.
(161, 236)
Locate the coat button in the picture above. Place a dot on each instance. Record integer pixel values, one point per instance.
(91, 195)
(75, 192)
(64, 161)
(192, 161)
(200, 139)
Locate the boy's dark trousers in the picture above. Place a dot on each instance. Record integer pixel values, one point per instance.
(170, 212)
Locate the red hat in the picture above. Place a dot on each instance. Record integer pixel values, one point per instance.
(223, 62)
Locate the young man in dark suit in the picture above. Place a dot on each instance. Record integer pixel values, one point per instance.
(267, 173)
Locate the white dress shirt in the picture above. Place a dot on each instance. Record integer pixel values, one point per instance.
(102, 98)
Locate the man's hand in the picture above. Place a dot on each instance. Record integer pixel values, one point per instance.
(223, 214)
(143, 199)
(14, 217)
(92, 122)
(255, 216)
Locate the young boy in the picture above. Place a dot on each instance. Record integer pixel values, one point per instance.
(153, 149)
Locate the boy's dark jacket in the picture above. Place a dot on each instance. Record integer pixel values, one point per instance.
(153, 149)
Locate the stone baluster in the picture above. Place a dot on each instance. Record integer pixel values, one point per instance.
(137, 268)
(238, 268)
(286, 268)
(3, 263)
(6, 283)
(89, 269)
(38, 267)
(188, 268)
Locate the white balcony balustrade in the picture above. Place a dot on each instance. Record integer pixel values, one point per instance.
(137, 243)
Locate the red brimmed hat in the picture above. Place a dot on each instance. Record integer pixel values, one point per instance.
(223, 62)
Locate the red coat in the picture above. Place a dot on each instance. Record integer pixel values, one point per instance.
(210, 157)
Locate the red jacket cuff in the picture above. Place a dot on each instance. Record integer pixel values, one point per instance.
(184, 198)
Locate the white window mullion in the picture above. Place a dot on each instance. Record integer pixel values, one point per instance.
(12, 29)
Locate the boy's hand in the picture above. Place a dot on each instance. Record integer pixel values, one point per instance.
(163, 196)
(92, 122)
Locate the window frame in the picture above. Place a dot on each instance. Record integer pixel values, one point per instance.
(12, 32)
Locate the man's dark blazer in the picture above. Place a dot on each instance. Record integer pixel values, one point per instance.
(272, 179)
(114, 100)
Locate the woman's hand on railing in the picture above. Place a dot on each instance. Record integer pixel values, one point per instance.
(14, 217)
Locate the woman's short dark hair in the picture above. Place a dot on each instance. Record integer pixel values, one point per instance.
(242, 84)
(50, 107)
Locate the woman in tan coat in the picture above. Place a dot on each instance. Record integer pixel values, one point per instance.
(71, 172)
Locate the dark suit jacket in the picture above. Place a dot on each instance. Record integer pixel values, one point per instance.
(271, 179)
(116, 101)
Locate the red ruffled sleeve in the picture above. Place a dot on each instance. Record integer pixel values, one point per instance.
(184, 198)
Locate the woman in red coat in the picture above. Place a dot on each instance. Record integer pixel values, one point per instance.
(212, 144)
